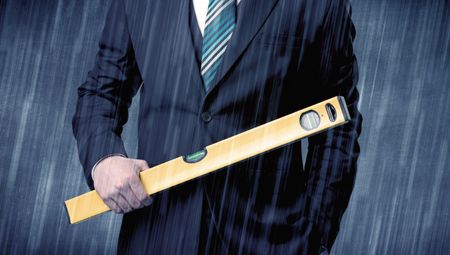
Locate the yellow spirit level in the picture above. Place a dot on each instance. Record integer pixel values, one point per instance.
(306, 122)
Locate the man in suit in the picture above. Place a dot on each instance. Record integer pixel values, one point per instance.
(205, 74)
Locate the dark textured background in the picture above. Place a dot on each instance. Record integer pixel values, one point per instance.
(400, 203)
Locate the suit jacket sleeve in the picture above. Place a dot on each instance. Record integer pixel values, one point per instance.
(332, 155)
(104, 98)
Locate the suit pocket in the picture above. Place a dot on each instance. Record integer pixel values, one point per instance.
(281, 40)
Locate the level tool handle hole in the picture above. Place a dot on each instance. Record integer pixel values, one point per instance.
(331, 111)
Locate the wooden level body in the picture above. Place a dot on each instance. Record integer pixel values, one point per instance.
(303, 123)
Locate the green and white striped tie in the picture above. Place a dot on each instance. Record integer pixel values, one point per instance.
(219, 26)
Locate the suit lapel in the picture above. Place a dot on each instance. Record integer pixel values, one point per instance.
(250, 17)
(187, 11)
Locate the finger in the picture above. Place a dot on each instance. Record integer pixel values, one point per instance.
(122, 203)
(131, 198)
(137, 186)
(113, 206)
(141, 165)
(139, 191)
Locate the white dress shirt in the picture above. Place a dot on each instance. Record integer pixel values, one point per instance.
(201, 10)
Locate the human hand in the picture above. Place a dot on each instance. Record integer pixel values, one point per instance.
(116, 180)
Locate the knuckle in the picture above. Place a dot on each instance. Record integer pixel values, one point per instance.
(129, 177)
(108, 202)
(119, 186)
(115, 191)
(136, 204)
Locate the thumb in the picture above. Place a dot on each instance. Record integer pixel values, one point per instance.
(142, 165)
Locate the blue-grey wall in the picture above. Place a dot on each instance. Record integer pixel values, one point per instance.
(400, 203)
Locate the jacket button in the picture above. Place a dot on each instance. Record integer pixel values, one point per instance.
(206, 116)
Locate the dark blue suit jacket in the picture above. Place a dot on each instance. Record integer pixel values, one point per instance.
(284, 55)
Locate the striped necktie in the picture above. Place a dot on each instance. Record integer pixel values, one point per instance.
(220, 23)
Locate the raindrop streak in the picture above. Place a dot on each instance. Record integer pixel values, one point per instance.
(400, 202)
